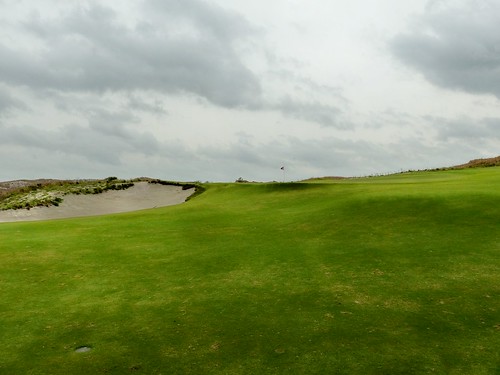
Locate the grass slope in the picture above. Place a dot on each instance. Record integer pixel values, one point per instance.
(389, 275)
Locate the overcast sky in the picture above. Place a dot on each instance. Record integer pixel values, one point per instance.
(214, 90)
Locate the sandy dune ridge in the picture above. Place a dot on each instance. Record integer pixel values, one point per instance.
(142, 195)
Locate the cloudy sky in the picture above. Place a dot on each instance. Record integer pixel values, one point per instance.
(214, 90)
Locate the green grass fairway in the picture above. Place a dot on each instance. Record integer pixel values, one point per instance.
(386, 275)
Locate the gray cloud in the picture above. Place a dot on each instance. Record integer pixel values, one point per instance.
(119, 149)
(466, 129)
(455, 44)
(326, 115)
(188, 47)
(9, 103)
(112, 124)
(202, 19)
(301, 157)
(103, 142)
(138, 104)
(90, 49)
(307, 100)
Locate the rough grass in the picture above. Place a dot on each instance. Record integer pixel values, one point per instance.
(389, 275)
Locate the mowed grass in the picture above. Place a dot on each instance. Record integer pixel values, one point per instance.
(387, 275)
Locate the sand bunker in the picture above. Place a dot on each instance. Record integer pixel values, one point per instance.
(141, 196)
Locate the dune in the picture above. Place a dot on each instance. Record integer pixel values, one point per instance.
(141, 196)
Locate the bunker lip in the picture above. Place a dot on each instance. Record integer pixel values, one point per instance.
(141, 196)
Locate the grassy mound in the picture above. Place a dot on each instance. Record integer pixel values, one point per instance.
(387, 275)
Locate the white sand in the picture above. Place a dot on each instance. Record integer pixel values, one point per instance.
(141, 196)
